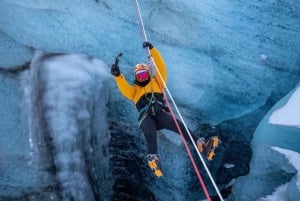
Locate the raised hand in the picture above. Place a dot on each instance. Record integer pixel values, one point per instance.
(147, 44)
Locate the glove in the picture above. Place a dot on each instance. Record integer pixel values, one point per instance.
(115, 70)
(147, 44)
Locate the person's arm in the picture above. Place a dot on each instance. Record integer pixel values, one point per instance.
(159, 63)
(161, 66)
(125, 88)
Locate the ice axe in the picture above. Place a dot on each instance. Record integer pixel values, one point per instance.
(115, 68)
(118, 58)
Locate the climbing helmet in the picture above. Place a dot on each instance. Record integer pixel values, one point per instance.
(141, 72)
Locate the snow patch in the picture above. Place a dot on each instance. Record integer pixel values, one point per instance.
(289, 114)
(281, 192)
(294, 159)
(229, 165)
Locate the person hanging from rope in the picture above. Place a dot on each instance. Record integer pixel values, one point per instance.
(147, 93)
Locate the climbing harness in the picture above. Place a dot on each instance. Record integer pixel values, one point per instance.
(143, 33)
(153, 107)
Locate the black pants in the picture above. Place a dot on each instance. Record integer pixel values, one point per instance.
(163, 120)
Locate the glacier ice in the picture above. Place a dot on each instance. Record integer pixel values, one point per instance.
(290, 110)
(270, 169)
(226, 60)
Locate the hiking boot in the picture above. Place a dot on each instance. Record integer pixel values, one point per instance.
(201, 144)
(207, 147)
(211, 144)
(153, 162)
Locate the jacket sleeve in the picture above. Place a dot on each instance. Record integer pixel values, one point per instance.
(161, 66)
(126, 89)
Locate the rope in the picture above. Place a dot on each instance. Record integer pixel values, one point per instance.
(181, 118)
(189, 154)
(144, 36)
(143, 33)
(194, 144)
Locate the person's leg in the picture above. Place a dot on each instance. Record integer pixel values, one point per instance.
(149, 128)
(166, 121)
(207, 147)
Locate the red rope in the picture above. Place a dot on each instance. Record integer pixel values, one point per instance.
(143, 33)
(189, 153)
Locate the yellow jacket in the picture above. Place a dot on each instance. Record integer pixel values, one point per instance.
(134, 92)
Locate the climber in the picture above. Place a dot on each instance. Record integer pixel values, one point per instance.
(147, 94)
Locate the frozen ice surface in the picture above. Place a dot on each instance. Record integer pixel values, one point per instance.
(270, 169)
(225, 59)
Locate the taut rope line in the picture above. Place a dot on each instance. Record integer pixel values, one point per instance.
(181, 118)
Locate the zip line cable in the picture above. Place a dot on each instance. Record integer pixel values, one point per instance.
(181, 118)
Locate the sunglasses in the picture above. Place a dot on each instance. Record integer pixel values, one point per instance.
(142, 75)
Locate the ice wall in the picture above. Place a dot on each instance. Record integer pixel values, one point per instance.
(223, 54)
(58, 149)
(225, 59)
(269, 168)
(18, 173)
